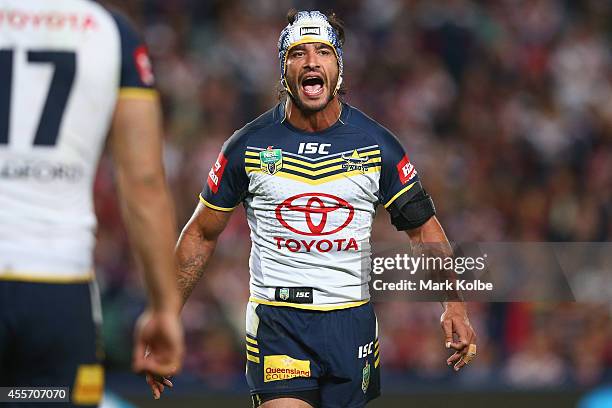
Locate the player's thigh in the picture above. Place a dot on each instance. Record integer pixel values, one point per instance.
(279, 349)
(286, 403)
(354, 359)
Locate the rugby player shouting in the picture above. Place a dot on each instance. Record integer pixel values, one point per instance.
(310, 173)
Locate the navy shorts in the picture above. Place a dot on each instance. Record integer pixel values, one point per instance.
(49, 337)
(294, 352)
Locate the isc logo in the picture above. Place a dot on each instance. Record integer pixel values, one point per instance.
(365, 350)
(313, 147)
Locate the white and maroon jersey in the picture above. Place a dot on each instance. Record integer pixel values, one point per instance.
(310, 200)
(63, 64)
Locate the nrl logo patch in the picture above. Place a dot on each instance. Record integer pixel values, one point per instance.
(365, 382)
(271, 160)
(283, 293)
(355, 162)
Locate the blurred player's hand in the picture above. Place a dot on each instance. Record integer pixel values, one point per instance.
(456, 325)
(158, 348)
(158, 384)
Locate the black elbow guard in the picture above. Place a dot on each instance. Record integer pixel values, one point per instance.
(413, 213)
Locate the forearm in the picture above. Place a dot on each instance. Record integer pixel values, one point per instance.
(149, 216)
(193, 252)
(136, 144)
(430, 241)
(195, 247)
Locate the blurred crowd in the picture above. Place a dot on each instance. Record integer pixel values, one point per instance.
(505, 108)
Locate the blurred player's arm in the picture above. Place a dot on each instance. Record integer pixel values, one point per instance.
(136, 145)
(196, 244)
(430, 240)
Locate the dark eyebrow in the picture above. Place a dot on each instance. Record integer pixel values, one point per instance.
(318, 46)
(323, 45)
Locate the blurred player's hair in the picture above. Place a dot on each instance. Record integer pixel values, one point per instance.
(338, 25)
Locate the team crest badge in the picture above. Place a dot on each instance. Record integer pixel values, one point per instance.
(355, 162)
(283, 293)
(271, 160)
(365, 382)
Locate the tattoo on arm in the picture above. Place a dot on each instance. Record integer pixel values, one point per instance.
(190, 272)
(196, 245)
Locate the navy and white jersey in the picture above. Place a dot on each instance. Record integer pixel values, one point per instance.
(310, 200)
(63, 64)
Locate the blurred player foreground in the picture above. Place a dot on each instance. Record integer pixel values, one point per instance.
(70, 72)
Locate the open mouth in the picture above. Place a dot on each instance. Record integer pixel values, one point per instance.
(312, 86)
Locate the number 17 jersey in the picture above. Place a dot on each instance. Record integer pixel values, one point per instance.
(63, 64)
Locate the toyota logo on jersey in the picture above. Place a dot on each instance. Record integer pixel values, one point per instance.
(315, 214)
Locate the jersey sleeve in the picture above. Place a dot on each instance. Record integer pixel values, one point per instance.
(401, 192)
(399, 180)
(135, 73)
(227, 181)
